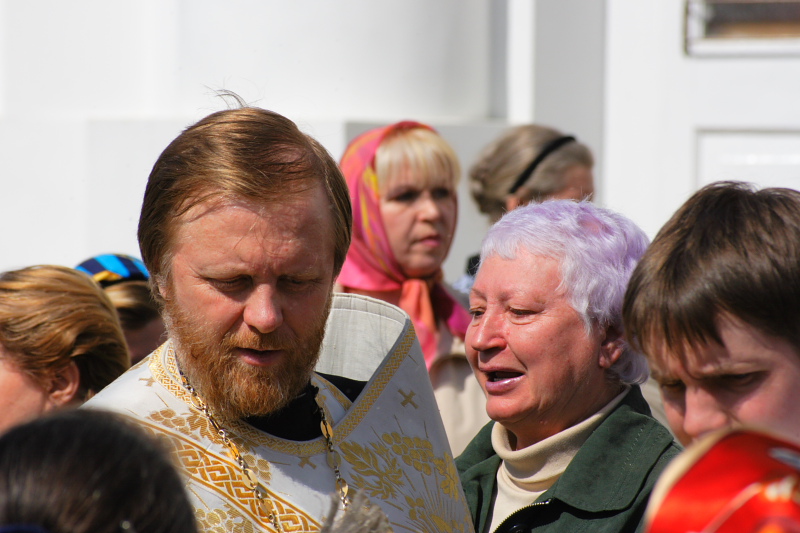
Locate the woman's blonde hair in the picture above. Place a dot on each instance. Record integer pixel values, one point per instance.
(134, 303)
(501, 162)
(52, 315)
(419, 152)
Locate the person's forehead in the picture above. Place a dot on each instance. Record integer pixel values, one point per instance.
(298, 214)
(520, 257)
(312, 199)
(709, 359)
(668, 360)
(688, 350)
(669, 364)
(524, 273)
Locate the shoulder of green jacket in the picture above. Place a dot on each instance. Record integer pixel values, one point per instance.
(619, 461)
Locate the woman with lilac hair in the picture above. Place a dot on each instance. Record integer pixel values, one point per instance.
(572, 445)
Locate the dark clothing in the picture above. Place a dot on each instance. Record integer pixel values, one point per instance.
(473, 262)
(293, 423)
(604, 489)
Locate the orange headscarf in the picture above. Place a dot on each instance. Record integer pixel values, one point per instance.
(370, 263)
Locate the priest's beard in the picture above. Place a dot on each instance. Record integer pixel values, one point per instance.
(232, 388)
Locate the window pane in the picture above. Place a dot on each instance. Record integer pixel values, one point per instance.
(753, 20)
(738, 27)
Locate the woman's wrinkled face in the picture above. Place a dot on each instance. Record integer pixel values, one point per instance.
(420, 220)
(540, 368)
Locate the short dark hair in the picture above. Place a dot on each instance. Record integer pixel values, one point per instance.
(82, 471)
(730, 249)
(246, 153)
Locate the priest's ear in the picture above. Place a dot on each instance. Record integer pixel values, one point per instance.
(64, 386)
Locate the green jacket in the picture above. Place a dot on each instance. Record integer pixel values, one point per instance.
(604, 489)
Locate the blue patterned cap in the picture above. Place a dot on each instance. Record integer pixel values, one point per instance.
(108, 269)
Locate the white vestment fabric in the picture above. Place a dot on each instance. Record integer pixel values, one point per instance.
(391, 440)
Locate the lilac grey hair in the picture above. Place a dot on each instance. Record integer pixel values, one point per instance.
(597, 250)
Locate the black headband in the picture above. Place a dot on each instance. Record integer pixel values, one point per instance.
(550, 147)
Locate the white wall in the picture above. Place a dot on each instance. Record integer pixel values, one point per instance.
(660, 103)
(92, 90)
(570, 70)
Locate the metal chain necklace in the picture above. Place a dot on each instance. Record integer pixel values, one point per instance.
(334, 459)
(259, 491)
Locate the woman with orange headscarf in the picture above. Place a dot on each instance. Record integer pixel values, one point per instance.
(402, 181)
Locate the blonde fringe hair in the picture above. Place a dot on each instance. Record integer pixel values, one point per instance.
(417, 152)
(51, 315)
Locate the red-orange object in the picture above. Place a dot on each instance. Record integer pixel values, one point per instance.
(737, 481)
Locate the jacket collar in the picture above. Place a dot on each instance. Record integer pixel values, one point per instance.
(477, 467)
(586, 481)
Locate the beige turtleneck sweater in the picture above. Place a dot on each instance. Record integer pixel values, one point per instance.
(527, 473)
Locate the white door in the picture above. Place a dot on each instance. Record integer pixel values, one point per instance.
(675, 121)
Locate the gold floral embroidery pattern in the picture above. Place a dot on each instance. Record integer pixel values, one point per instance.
(375, 462)
(386, 466)
(193, 425)
(164, 367)
(222, 521)
(224, 478)
(227, 519)
(420, 514)
(377, 472)
(418, 453)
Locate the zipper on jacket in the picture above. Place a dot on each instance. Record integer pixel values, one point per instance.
(534, 504)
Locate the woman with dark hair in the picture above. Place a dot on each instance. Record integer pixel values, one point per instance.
(85, 471)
